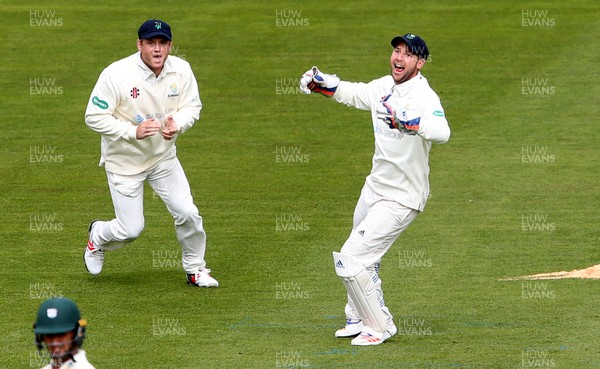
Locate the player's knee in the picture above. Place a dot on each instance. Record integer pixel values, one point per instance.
(130, 230)
(188, 214)
(134, 233)
(352, 249)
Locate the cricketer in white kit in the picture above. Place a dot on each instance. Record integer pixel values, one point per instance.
(407, 118)
(140, 105)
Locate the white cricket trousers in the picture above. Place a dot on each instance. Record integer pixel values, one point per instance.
(168, 180)
(378, 221)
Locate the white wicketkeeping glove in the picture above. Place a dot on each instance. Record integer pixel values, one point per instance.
(315, 81)
(395, 116)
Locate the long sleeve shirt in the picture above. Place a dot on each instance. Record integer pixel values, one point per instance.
(126, 94)
(400, 169)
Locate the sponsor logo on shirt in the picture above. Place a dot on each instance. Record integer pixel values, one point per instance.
(135, 92)
(159, 115)
(438, 113)
(174, 90)
(99, 103)
(139, 119)
(394, 134)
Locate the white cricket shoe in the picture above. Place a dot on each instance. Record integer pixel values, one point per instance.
(202, 278)
(352, 328)
(93, 256)
(370, 337)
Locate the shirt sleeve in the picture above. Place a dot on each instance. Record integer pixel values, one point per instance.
(99, 113)
(433, 124)
(355, 94)
(188, 111)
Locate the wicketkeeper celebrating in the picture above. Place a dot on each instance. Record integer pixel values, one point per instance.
(140, 105)
(407, 117)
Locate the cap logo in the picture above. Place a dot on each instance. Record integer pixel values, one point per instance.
(410, 36)
(52, 313)
(157, 25)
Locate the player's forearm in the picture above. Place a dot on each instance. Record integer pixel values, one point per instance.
(354, 94)
(190, 104)
(111, 127)
(434, 128)
(187, 116)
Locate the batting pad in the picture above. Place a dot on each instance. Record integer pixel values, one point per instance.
(360, 288)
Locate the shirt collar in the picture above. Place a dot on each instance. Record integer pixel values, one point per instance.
(404, 87)
(147, 73)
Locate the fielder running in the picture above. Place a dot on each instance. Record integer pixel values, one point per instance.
(140, 105)
(407, 117)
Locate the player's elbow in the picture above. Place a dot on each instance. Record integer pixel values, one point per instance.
(90, 120)
(444, 136)
(438, 135)
(96, 122)
(438, 132)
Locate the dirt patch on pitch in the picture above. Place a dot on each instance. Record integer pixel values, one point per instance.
(592, 272)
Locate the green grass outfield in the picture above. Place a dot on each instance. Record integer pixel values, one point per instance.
(514, 192)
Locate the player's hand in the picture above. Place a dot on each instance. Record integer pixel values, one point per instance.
(404, 120)
(305, 80)
(315, 81)
(147, 128)
(170, 129)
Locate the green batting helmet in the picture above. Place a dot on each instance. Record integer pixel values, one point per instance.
(59, 315)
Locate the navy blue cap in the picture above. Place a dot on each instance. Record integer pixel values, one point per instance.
(154, 28)
(416, 44)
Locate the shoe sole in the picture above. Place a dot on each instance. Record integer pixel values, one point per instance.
(346, 335)
(195, 285)
(367, 343)
(372, 343)
(340, 333)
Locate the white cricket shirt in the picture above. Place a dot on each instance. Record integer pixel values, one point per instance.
(400, 169)
(126, 94)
